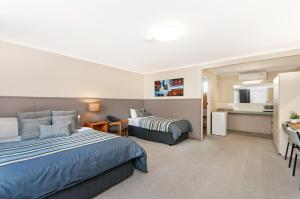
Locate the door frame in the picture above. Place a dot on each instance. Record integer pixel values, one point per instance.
(208, 110)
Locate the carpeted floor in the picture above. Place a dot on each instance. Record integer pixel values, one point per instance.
(232, 167)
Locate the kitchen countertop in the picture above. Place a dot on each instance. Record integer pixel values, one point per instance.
(247, 112)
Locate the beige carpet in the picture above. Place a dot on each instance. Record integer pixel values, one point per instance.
(232, 167)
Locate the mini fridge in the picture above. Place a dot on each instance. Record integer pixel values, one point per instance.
(219, 123)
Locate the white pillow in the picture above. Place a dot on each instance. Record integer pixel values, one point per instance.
(133, 113)
(83, 129)
(8, 127)
(10, 139)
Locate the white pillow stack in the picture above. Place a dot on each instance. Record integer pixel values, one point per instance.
(133, 113)
(9, 129)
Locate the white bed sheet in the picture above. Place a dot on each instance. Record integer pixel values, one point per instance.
(10, 139)
(8, 127)
(83, 129)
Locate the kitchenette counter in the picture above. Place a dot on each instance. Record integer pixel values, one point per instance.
(251, 112)
(249, 121)
(246, 112)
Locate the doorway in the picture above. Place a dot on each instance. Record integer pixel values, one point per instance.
(204, 106)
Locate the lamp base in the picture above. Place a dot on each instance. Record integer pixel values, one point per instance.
(94, 117)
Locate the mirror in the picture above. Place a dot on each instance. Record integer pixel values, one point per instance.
(260, 93)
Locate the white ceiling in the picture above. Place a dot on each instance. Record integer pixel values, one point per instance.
(112, 32)
(285, 63)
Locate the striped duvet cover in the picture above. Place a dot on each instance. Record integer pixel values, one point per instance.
(33, 169)
(174, 126)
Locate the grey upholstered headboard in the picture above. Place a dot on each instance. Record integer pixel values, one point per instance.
(9, 106)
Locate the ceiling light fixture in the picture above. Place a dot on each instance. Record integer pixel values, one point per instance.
(236, 86)
(165, 33)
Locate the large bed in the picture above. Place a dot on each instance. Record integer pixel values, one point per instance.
(157, 129)
(79, 166)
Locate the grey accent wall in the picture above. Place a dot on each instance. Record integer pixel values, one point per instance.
(189, 109)
(176, 108)
(9, 106)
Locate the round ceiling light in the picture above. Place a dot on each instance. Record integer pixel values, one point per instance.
(166, 33)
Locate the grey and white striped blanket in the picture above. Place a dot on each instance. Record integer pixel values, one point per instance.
(156, 123)
(174, 126)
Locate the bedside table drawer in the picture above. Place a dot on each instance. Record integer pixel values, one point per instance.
(99, 126)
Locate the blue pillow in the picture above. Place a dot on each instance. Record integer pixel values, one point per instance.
(112, 118)
(51, 131)
(73, 113)
(66, 120)
(144, 114)
(30, 115)
(30, 127)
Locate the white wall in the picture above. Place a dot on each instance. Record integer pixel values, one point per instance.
(286, 99)
(226, 84)
(192, 75)
(29, 72)
(192, 82)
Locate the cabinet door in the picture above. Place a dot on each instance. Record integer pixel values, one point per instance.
(288, 100)
(275, 123)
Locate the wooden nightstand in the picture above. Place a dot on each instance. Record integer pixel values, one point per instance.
(100, 125)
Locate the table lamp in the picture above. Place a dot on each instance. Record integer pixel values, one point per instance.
(94, 107)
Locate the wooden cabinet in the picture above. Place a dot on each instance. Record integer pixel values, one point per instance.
(100, 125)
(104, 126)
(254, 123)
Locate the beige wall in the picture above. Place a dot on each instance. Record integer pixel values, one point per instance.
(29, 72)
(213, 88)
(192, 82)
(226, 84)
(46, 74)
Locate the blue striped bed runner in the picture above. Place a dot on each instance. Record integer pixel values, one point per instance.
(29, 150)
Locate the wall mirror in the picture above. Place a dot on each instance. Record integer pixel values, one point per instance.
(259, 93)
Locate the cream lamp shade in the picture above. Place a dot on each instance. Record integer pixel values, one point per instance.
(94, 107)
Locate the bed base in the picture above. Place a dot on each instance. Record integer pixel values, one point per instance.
(94, 186)
(155, 136)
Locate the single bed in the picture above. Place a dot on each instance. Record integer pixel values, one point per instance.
(79, 166)
(157, 129)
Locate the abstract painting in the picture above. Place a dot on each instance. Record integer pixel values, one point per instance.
(169, 87)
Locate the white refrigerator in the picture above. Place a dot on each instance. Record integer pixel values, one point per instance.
(219, 123)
